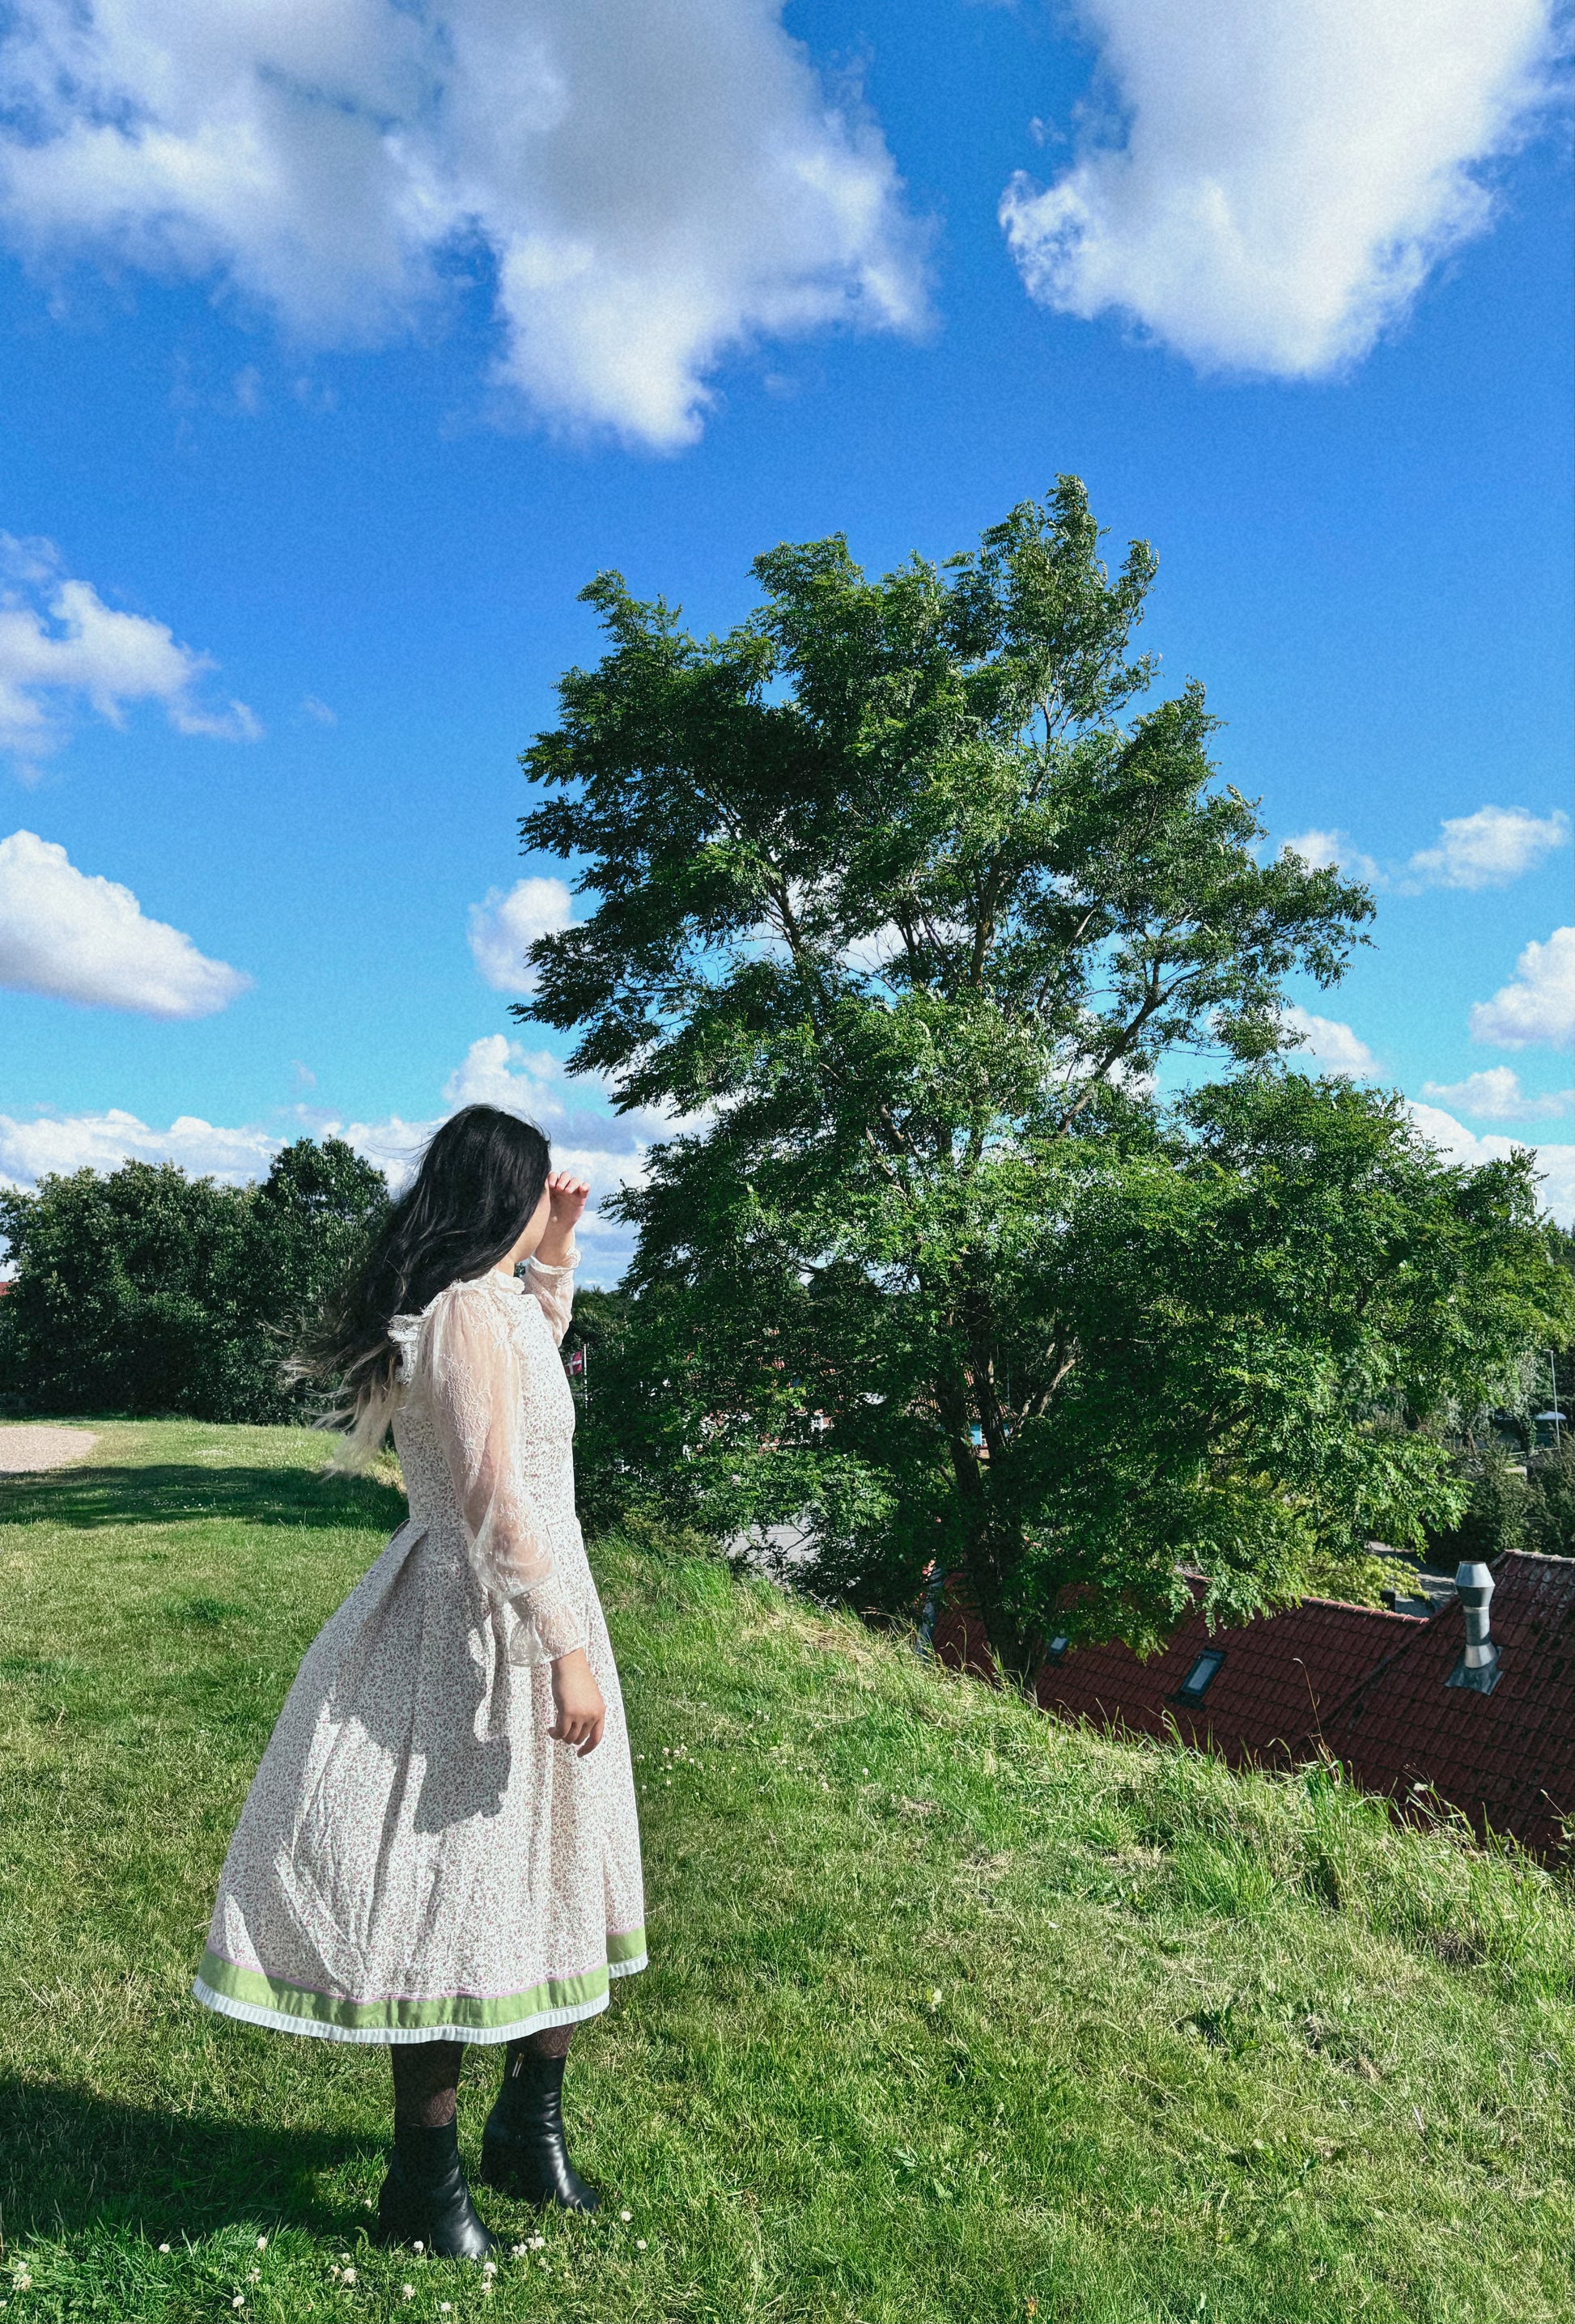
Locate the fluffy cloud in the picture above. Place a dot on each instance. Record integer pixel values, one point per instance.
(1488, 849)
(1496, 1095)
(60, 645)
(85, 938)
(49, 1143)
(1539, 1007)
(647, 188)
(1275, 179)
(1556, 1163)
(1485, 850)
(502, 928)
(1330, 1044)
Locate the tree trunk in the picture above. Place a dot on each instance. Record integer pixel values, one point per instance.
(1018, 1652)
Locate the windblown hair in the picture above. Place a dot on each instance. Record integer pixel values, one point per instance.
(472, 1197)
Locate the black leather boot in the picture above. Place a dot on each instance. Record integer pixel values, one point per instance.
(522, 2151)
(424, 2199)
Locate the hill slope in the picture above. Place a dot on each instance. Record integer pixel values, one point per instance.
(953, 2013)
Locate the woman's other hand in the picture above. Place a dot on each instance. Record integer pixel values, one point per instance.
(581, 1712)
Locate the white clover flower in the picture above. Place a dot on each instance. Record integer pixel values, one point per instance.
(418, 2247)
(639, 2243)
(626, 2215)
(262, 2243)
(349, 2275)
(489, 2267)
(935, 1997)
(253, 2276)
(238, 2301)
(407, 2292)
(344, 2259)
(444, 2306)
(163, 2247)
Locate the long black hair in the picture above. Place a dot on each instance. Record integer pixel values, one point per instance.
(473, 1195)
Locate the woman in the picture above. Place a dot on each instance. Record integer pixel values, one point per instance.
(440, 1845)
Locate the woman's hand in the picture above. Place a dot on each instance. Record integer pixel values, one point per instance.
(581, 1712)
(566, 1196)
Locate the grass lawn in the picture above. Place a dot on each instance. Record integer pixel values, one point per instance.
(953, 2013)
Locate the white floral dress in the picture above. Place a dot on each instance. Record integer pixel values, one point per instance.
(417, 1860)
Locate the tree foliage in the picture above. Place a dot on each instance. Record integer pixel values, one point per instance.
(904, 906)
(142, 1290)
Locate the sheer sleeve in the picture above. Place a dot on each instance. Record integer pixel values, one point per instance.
(552, 1289)
(473, 1375)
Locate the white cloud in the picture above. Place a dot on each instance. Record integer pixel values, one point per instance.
(30, 1150)
(85, 938)
(1539, 1007)
(1488, 849)
(1321, 850)
(60, 645)
(646, 188)
(1556, 1163)
(1496, 1095)
(1330, 1044)
(1485, 850)
(1276, 178)
(503, 928)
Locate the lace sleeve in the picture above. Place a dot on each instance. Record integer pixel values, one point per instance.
(474, 1371)
(552, 1289)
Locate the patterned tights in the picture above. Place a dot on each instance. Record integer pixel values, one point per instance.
(426, 2074)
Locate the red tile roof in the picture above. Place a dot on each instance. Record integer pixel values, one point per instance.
(1281, 1674)
(1507, 1760)
(1367, 1685)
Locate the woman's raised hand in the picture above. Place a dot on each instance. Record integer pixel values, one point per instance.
(577, 1699)
(569, 1196)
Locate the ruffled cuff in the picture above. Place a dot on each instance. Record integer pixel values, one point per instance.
(568, 1268)
(550, 1623)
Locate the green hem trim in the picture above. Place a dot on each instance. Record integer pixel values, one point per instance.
(410, 2013)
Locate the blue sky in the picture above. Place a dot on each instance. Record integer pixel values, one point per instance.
(333, 367)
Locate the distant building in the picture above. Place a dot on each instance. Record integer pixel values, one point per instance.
(1370, 1685)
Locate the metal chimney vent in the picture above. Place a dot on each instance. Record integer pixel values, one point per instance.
(1477, 1667)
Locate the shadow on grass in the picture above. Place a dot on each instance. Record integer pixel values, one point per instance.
(70, 2161)
(89, 1499)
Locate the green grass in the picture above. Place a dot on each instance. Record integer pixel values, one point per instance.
(954, 2013)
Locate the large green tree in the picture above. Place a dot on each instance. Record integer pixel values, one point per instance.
(898, 905)
(143, 1290)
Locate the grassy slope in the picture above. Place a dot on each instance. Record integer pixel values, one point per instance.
(954, 2013)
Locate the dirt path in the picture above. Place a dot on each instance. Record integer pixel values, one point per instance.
(34, 1444)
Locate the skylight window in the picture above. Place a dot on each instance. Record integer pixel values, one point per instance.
(1196, 1682)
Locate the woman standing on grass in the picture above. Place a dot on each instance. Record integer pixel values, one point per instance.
(440, 1845)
